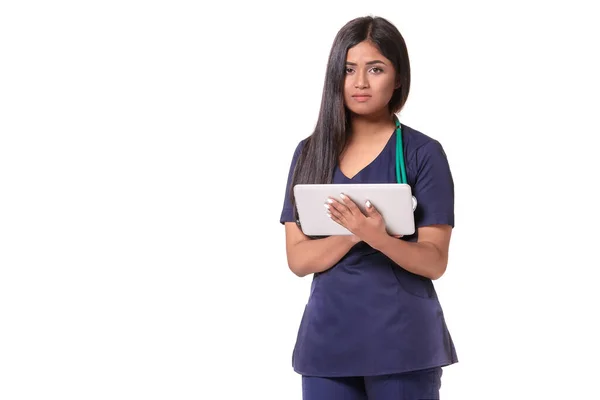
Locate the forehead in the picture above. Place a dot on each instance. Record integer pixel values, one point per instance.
(364, 52)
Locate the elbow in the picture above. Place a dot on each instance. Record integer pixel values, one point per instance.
(299, 272)
(297, 268)
(438, 271)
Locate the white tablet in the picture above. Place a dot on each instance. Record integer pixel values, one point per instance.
(394, 202)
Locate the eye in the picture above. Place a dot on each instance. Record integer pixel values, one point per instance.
(376, 70)
(349, 70)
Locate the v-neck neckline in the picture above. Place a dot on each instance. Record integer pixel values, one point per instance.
(379, 155)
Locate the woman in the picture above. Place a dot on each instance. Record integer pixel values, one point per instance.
(373, 327)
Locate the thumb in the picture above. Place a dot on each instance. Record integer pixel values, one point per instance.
(371, 210)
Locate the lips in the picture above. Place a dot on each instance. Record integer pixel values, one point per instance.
(361, 97)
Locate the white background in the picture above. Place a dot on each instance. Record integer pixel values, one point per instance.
(144, 148)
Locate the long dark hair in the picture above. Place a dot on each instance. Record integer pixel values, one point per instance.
(322, 148)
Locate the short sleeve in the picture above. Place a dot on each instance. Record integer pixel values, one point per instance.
(287, 214)
(433, 187)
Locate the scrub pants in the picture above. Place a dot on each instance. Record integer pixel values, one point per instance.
(416, 385)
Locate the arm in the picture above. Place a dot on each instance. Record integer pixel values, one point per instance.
(427, 257)
(306, 256)
(434, 188)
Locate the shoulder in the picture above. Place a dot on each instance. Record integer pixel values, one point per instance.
(418, 144)
(299, 146)
(415, 139)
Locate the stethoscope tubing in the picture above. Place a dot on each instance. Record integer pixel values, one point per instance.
(400, 164)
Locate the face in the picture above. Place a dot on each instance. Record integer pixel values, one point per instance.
(370, 80)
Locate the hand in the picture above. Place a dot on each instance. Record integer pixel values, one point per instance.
(354, 239)
(369, 228)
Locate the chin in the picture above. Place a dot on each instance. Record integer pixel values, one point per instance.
(368, 111)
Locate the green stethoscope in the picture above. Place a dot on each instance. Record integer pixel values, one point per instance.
(400, 165)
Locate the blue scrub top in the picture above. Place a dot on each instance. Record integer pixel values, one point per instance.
(367, 315)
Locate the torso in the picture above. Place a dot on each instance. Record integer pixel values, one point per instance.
(358, 154)
(366, 315)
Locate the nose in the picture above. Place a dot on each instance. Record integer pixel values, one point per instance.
(361, 81)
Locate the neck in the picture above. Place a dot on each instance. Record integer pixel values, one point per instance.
(369, 126)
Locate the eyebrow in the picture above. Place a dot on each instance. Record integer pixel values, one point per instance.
(368, 63)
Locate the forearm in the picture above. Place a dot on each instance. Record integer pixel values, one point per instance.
(317, 255)
(421, 258)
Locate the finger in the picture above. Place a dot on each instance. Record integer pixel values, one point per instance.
(333, 212)
(352, 207)
(371, 210)
(335, 218)
(338, 206)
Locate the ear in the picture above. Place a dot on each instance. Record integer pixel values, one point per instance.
(398, 84)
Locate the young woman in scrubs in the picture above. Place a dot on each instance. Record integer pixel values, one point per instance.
(373, 327)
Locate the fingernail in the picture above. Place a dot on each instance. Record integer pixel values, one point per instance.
(368, 204)
(329, 201)
(326, 206)
(342, 195)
